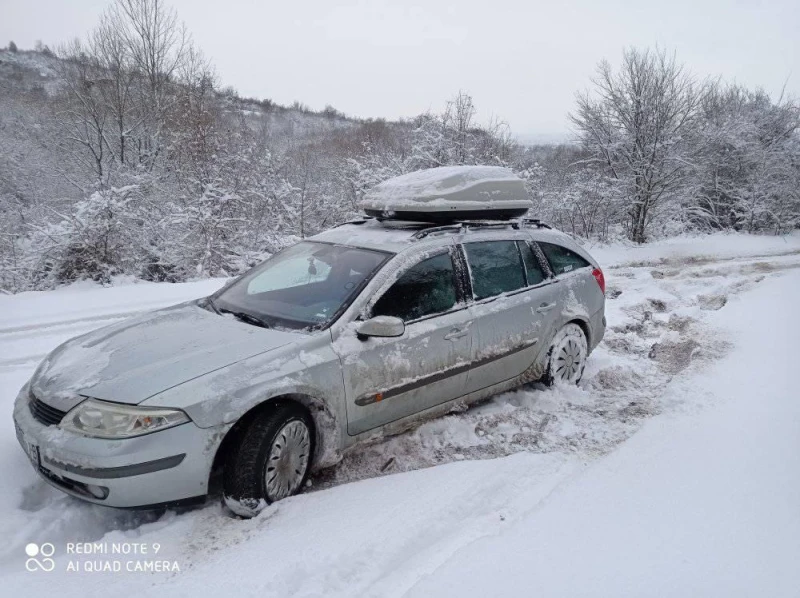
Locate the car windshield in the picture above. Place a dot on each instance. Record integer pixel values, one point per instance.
(304, 286)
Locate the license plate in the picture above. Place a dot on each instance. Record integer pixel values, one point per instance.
(30, 449)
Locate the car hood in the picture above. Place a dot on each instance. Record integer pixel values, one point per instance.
(138, 358)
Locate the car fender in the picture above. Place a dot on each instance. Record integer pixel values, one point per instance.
(310, 375)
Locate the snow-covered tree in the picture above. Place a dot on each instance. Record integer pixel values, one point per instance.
(748, 169)
(639, 123)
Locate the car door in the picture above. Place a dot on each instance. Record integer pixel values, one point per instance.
(387, 379)
(515, 306)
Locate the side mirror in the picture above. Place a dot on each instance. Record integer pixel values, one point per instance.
(381, 326)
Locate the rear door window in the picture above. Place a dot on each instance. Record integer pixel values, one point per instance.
(533, 268)
(495, 267)
(561, 259)
(425, 289)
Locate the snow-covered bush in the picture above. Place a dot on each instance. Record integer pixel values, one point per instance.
(677, 151)
(748, 168)
(96, 241)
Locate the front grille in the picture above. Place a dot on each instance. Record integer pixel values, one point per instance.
(44, 413)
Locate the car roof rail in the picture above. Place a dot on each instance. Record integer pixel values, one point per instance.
(361, 220)
(462, 226)
(532, 222)
(458, 226)
(421, 234)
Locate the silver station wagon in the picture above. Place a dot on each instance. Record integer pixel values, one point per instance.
(443, 296)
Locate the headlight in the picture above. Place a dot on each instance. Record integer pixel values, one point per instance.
(112, 420)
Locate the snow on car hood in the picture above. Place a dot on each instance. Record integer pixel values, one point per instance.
(138, 358)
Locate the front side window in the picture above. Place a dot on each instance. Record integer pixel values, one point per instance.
(495, 267)
(425, 289)
(561, 259)
(303, 286)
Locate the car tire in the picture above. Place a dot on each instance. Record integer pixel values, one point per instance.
(566, 358)
(271, 460)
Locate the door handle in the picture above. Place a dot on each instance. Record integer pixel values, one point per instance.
(456, 333)
(545, 307)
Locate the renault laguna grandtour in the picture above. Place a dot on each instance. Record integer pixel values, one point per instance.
(443, 294)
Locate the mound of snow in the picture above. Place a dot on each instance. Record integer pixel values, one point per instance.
(450, 189)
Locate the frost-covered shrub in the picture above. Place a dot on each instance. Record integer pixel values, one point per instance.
(156, 269)
(749, 166)
(96, 241)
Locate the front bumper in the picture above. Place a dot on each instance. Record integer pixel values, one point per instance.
(168, 466)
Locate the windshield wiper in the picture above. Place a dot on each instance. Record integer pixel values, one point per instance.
(208, 304)
(244, 317)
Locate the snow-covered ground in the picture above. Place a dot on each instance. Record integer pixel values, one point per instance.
(674, 469)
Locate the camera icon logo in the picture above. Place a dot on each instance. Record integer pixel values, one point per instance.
(39, 557)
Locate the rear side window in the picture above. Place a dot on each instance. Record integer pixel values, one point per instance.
(561, 259)
(495, 267)
(425, 289)
(533, 269)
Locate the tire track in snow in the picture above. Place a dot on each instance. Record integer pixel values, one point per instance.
(45, 327)
(60, 330)
(19, 343)
(700, 260)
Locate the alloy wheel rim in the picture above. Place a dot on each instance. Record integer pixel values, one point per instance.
(569, 360)
(288, 460)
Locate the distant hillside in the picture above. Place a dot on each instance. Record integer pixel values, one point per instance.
(534, 139)
(30, 74)
(26, 71)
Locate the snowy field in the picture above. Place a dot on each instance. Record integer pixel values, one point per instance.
(673, 470)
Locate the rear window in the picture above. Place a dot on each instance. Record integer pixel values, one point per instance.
(561, 259)
(495, 267)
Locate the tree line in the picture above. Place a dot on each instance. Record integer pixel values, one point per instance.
(133, 160)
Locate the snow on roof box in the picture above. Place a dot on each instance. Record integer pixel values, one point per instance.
(449, 193)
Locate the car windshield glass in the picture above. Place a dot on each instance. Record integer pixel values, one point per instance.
(304, 286)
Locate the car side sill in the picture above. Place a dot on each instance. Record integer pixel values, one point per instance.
(371, 398)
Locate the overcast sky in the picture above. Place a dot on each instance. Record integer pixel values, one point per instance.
(522, 61)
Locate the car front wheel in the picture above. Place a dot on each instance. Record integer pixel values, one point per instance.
(566, 359)
(271, 460)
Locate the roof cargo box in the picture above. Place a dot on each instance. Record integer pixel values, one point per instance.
(449, 193)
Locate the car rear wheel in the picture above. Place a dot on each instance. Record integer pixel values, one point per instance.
(566, 359)
(271, 460)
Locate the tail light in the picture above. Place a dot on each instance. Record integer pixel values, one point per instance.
(601, 280)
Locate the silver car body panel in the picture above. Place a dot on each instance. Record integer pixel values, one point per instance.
(63, 455)
(141, 357)
(390, 378)
(216, 369)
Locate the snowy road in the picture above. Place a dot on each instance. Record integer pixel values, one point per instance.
(695, 504)
(34, 323)
(672, 471)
